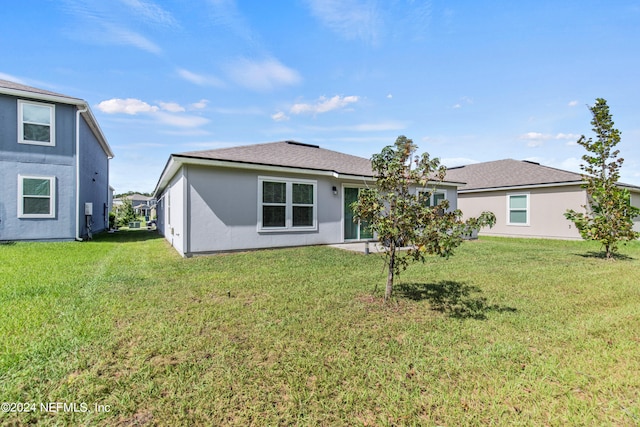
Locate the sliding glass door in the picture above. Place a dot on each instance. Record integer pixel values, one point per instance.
(353, 230)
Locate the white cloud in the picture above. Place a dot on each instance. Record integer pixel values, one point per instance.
(572, 103)
(225, 13)
(116, 34)
(324, 105)
(111, 23)
(170, 116)
(200, 79)
(363, 127)
(451, 162)
(200, 104)
(534, 135)
(389, 96)
(536, 139)
(14, 79)
(535, 143)
(279, 116)
(184, 121)
(571, 164)
(171, 107)
(352, 19)
(465, 100)
(150, 12)
(262, 75)
(129, 106)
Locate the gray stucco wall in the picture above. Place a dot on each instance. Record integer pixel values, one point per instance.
(546, 211)
(215, 209)
(223, 210)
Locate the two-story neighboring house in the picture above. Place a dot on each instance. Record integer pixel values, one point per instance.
(54, 166)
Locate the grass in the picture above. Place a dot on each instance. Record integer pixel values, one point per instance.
(506, 332)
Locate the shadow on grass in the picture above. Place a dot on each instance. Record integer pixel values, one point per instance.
(453, 298)
(603, 255)
(135, 235)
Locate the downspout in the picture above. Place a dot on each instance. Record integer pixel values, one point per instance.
(78, 112)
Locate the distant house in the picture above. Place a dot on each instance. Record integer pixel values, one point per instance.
(262, 196)
(142, 205)
(528, 199)
(54, 166)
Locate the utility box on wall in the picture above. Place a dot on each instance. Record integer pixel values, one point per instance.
(88, 208)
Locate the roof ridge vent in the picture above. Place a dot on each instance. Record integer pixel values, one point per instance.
(532, 162)
(302, 144)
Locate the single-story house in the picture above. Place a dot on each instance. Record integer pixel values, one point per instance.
(269, 195)
(528, 199)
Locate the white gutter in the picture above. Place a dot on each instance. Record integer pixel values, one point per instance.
(521, 187)
(78, 112)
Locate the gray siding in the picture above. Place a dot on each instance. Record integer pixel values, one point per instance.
(57, 161)
(94, 179)
(24, 159)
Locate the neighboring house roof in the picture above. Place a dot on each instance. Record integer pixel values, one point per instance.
(136, 197)
(19, 90)
(509, 173)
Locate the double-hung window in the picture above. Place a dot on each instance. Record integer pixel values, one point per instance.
(286, 204)
(36, 196)
(434, 198)
(36, 123)
(518, 209)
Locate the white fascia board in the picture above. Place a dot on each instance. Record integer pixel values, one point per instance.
(79, 103)
(95, 128)
(175, 162)
(43, 96)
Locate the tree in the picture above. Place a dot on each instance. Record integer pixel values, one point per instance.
(402, 216)
(126, 213)
(608, 216)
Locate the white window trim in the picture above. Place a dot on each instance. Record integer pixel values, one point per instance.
(52, 197)
(433, 193)
(288, 205)
(52, 124)
(527, 210)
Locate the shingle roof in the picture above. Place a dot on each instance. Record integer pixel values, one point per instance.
(6, 84)
(509, 173)
(289, 154)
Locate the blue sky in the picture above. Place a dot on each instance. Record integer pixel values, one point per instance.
(468, 81)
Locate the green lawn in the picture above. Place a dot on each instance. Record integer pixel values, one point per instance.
(506, 332)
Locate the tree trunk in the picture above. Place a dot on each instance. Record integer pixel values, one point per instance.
(392, 262)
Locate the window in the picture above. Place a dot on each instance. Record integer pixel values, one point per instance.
(36, 197)
(36, 123)
(435, 197)
(518, 209)
(286, 204)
